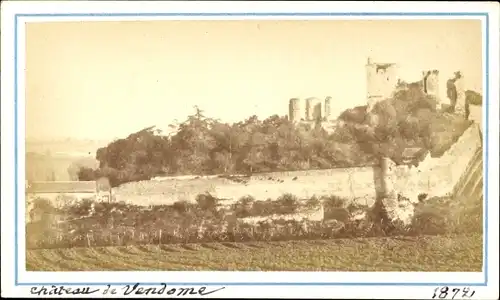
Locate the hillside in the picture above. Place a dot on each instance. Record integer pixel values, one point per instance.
(205, 146)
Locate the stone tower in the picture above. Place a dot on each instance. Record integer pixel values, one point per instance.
(430, 80)
(313, 109)
(328, 109)
(294, 113)
(460, 107)
(381, 79)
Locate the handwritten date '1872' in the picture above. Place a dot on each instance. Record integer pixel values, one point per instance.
(453, 293)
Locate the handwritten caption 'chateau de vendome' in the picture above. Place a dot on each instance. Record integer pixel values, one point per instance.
(127, 290)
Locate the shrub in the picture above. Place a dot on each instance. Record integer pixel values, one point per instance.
(243, 207)
(246, 200)
(86, 174)
(290, 202)
(430, 218)
(43, 226)
(206, 201)
(313, 202)
(334, 201)
(181, 206)
(473, 98)
(124, 224)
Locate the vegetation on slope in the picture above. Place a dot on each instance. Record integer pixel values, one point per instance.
(203, 145)
(410, 118)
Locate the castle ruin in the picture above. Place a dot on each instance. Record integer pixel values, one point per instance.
(329, 116)
(295, 113)
(460, 106)
(381, 81)
(430, 79)
(313, 109)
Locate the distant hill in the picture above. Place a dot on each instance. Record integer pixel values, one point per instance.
(59, 159)
(46, 167)
(65, 147)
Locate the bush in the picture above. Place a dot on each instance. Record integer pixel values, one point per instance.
(181, 206)
(313, 202)
(206, 201)
(408, 119)
(106, 224)
(243, 207)
(246, 200)
(43, 225)
(289, 203)
(333, 201)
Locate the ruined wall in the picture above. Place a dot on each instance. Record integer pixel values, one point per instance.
(431, 83)
(313, 109)
(381, 80)
(59, 199)
(460, 86)
(439, 176)
(294, 110)
(328, 114)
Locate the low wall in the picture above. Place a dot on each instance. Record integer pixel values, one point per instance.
(438, 176)
(434, 176)
(316, 214)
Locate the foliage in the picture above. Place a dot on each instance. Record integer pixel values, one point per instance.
(248, 207)
(203, 145)
(181, 206)
(90, 223)
(83, 162)
(473, 98)
(43, 225)
(206, 146)
(409, 119)
(206, 201)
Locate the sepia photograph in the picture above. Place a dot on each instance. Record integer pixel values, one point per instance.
(181, 145)
(303, 150)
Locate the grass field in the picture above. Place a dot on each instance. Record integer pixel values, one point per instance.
(424, 253)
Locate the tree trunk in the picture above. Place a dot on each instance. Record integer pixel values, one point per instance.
(382, 177)
(385, 197)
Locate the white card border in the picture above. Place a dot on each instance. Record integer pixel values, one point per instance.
(14, 14)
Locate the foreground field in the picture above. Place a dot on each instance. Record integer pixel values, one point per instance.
(424, 253)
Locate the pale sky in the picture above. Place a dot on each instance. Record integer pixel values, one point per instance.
(102, 80)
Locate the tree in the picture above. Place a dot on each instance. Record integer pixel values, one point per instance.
(255, 157)
(194, 142)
